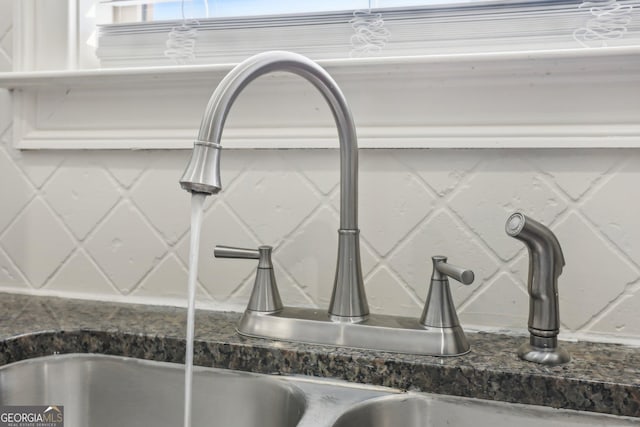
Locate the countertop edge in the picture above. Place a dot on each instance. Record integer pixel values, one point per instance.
(602, 378)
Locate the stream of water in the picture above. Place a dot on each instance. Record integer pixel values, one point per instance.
(197, 202)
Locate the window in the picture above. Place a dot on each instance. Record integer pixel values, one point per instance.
(129, 11)
(137, 33)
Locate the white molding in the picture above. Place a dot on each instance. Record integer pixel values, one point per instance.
(571, 98)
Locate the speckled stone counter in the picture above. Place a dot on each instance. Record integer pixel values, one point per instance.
(600, 378)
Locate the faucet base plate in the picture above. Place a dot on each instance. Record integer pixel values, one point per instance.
(544, 356)
(376, 332)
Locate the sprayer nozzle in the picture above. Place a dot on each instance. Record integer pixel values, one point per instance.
(515, 224)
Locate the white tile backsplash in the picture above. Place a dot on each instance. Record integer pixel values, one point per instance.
(169, 214)
(37, 242)
(15, 191)
(393, 201)
(80, 274)
(168, 280)
(126, 247)
(114, 225)
(10, 275)
(499, 303)
(81, 194)
(271, 198)
(138, 247)
(588, 289)
(387, 293)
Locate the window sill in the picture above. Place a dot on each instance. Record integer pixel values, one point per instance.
(563, 98)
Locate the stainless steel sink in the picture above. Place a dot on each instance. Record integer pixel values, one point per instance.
(101, 391)
(110, 391)
(419, 410)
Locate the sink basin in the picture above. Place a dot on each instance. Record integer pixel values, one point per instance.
(413, 410)
(103, 391)
(110, 391)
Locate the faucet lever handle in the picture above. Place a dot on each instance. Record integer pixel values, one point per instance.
(265, 296)
(440, 268)
(231, 252)
(263, 254)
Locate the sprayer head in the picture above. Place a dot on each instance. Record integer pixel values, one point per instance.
(202, 174)
(515, 224)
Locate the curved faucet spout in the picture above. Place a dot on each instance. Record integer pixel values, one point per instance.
(230, 87)
(348, 301)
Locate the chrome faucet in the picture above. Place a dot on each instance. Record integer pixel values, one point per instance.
(545, 266)
(348, 300)
(348, 321)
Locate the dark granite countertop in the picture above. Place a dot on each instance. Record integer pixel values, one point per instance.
(600, 378)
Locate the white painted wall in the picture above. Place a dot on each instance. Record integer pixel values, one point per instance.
(114, 225)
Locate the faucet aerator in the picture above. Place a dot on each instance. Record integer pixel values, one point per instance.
(202, 174)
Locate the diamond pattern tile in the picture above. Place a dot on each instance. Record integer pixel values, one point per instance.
(500, 186)
(442, 235)
(82, 195)
(168, 280)
(587, 291)
(310, 255)
(37, 243)
(292, 294)
(444, 171)
(321, 167)
(127, 166)
(271, 199)
(386, 294)
(501, 303)
(575, 171)
(392, 201)
(39, 165)
(615, 208)
(622, 319)
(80, 275)
(125, 247)
(10, 276)
(15, 191)
(169, 214)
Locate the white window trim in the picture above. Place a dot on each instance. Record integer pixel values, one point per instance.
(542, 99)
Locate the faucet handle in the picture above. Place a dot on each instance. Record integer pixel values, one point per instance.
(221, 251)
(440, 268)
(265, 296)
(263, 254)
(439, 310)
